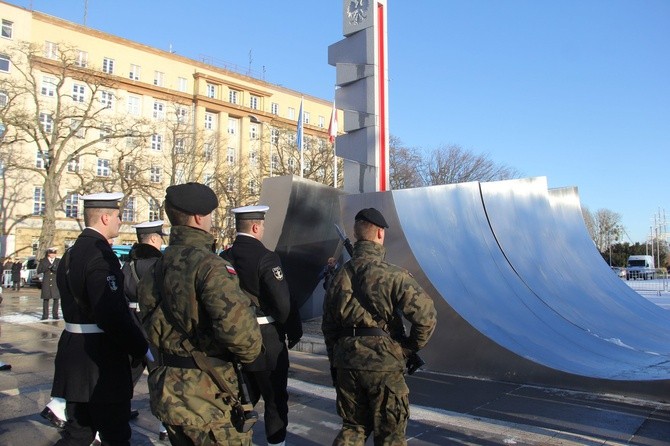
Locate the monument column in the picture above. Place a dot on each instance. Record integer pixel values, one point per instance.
(362, 80)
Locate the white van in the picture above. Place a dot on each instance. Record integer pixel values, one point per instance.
(640, 267)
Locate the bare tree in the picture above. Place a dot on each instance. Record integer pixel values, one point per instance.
(406, 165)
(57, 113)
(590, 222)
(452, 164)
(608, 228)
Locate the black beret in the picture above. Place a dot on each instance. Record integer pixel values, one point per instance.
(373, 216)
(192, 198)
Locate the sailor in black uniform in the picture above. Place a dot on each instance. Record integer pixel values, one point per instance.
(92, 371)
(261, 275)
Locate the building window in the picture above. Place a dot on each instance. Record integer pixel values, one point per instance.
(108, 65)
(232, 126)
(134, 72)
(209, 121)
(128, 213)
(274, 137)
(230, 183)
(76, 129)
(104, 133)
(179, 176)
(73, 165)
(48, 86)
(322, 122)
(47, 122)
(159, 78)
(253, 158)
(155, 176)
(130, 171)
(3, 99)
(305, 118)
(179, 147)
(156, 142)
(254, 102)
(39, 201)
(4, 63)
(291, 164)
(182, 114)
(275, 161)
(253, 187)
(159, 110)
(82, 59)
(230, 156)
(208, 151)
(211, 91)
(103, 168)
(7, 29)
(154, 210)
(107, 99)
(274, 108)
(233, 96)
(208, 180)
(291, 113)
(41, 159)
(78, 93)
(72, 205)
(51, 50)
(253, 131)
(133, 105)
(182, 84)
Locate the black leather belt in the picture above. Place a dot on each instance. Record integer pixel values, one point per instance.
(187, 362)
(362, 331)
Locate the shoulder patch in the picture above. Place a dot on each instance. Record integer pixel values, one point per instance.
(231, 270)
(111, 282)
(279, 274)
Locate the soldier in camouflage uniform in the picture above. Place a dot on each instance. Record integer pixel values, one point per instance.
(361, 325)
(194, 294)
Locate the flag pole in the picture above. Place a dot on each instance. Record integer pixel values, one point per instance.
(301, 138)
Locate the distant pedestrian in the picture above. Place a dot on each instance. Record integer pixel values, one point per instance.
(16, 274)
(328, 272)
(363, 313)
(48, 267)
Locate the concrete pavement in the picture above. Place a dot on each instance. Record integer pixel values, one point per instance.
(446, 410)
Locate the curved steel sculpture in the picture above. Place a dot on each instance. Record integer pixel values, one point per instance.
(522, 294)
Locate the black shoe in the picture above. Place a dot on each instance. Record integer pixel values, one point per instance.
(52, 418)
(134, 413)
(5, 367)
(162, 436)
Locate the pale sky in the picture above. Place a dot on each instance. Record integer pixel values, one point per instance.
(574, 90)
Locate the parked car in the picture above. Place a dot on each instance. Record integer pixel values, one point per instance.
(621, 272)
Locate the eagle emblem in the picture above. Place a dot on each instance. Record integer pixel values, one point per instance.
(357, 11)
(279, 274)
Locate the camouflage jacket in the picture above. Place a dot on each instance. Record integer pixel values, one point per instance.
(388, 288)
(201, 291)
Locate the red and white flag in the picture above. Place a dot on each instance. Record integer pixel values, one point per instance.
(332, 128)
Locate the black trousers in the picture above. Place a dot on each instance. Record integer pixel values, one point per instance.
(85, 419)
(54, 308)
(271, 385)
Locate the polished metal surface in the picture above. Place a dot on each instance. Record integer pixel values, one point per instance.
(522, 294)
(494, 320)
(300, 227)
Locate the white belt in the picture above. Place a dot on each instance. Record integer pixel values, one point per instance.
(265, 320)
(83, 328)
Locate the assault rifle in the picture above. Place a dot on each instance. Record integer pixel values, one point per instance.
(414, 361)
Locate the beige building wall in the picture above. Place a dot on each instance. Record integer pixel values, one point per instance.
(241, 111)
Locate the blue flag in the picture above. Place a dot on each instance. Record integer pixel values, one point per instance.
(299, 135)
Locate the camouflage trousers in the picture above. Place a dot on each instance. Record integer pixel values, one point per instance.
(210, 436)
(372, 402)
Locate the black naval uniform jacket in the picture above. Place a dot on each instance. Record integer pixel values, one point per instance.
(94, 367)
(143, 256)
(261, 275)
(49, 288)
